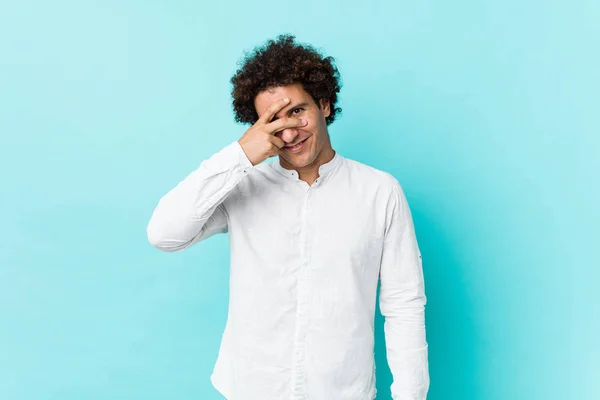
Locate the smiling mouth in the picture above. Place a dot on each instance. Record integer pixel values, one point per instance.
(297, 145)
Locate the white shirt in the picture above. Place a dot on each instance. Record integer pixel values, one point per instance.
(305, 264)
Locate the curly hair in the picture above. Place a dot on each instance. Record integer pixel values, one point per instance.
(282, 62)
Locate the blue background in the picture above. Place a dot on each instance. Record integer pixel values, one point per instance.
(488, 113)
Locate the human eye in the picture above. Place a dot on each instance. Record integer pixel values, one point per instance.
(296, 109)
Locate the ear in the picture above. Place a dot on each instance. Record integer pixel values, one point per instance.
(325, 106)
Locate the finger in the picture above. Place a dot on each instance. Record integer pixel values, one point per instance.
(283, 123)
(273, 109)
(278, 142)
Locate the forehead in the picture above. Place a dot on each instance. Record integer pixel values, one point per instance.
(294, 92)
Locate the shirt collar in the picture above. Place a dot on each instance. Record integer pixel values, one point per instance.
(324, 169)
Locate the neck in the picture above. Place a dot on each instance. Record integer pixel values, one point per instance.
(310, 173)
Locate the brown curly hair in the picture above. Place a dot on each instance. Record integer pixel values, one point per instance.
(282, 62)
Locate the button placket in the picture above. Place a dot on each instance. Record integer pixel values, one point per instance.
(302, 316)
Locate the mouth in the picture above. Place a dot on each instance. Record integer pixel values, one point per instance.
(299, 146)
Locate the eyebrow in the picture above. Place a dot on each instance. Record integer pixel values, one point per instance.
(303, 104)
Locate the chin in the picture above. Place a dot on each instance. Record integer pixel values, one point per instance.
(303, 160)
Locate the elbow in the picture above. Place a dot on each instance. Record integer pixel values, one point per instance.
(158, 239)
(407, 304)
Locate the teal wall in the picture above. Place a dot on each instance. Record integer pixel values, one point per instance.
(487, 112)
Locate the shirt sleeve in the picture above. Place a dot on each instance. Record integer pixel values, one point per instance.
(193, 210)
(402, 302)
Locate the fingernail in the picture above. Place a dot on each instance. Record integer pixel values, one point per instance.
(304, 122)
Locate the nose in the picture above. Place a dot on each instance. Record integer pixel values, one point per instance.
(288, 135)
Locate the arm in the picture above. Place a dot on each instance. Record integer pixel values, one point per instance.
(193, 211)
(402, 302)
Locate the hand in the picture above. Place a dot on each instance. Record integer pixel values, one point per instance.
(259, 141)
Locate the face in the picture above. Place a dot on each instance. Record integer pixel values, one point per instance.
(317, 148)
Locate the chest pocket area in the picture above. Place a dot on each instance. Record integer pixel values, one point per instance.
(349, 235)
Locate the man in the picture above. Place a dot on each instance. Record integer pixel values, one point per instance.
(311, 234)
